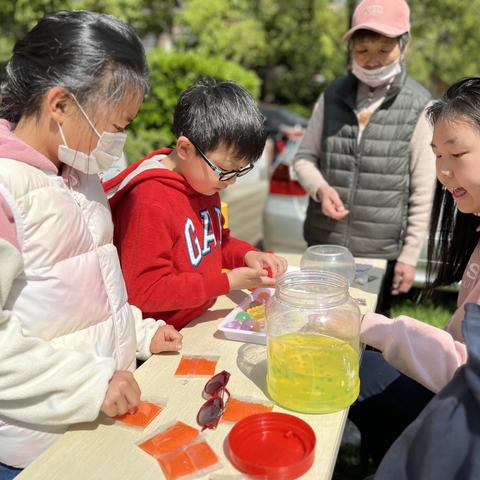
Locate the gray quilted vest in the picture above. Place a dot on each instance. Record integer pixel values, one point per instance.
(371, 177)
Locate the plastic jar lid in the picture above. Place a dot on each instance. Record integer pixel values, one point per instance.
(276, 445)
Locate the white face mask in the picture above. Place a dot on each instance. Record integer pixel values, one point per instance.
(378, 76)
(109, 149)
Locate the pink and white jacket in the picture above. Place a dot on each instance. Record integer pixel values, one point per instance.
(65, 323)
(425, 353)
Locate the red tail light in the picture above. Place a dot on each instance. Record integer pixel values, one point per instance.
(282, 184)
(280, 144)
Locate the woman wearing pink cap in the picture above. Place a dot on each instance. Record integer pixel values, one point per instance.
(367, 163)
(365, 159)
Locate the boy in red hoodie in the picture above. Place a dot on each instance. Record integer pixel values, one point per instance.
(166, 209)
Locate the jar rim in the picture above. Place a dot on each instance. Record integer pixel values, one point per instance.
(292, 287)
(309, 274)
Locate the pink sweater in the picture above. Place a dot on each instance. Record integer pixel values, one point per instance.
(427, 354)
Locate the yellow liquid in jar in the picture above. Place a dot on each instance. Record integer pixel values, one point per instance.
(312, 373)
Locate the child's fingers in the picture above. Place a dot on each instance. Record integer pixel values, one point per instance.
(281, 265)
(256, 261)
(170, 346)
(275, 266)
(120, 406)
(132, 397)
(258, 272)
(109, 409)
(135, 391)
(172, 334)
(267, 281)
(270, 264)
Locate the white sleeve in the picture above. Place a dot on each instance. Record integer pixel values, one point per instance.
(39, 384)
(145, 329)
(422, 183)
(309, 152)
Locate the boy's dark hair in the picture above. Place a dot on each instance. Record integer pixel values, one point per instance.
(213, 114)
(449, 254)
(95, 56)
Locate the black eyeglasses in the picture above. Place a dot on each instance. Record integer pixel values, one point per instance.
(223, 176)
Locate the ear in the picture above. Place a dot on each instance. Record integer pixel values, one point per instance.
(59, 104)
(185, 148)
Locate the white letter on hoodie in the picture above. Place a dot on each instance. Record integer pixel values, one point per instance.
(192, 243)
(208, 232)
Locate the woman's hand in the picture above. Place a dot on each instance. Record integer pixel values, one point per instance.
(332, 205)
(403, 276)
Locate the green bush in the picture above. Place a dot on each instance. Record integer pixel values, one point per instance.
(171, 74)
(141, 143)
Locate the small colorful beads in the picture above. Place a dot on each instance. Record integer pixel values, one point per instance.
(242, 316)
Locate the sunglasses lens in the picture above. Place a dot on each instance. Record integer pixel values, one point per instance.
(216, 383)
(210, 413)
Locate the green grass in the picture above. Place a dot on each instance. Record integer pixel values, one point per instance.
(436, 311)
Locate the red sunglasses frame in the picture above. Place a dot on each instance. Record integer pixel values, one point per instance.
(212, 410)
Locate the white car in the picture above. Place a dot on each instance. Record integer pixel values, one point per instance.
(286, 205)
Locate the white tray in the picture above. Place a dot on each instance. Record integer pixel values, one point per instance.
(245, 335)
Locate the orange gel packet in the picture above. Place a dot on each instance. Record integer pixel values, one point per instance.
(236, 409)
(195, 459)
(145, 414)
(196, 365)
(168, 438)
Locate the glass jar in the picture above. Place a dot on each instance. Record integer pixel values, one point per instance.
(313, 328)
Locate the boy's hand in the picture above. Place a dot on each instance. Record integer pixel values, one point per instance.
(123, 394)
(332, 205)
(166, 339)
(246, 277)
(273, 264)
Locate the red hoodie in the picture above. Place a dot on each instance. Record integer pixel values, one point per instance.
(171, 241)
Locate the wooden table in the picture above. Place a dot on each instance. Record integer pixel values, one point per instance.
(105, 450)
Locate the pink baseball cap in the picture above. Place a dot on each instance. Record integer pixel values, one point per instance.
(387, 17)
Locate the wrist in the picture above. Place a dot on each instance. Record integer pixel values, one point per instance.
(230, 280)
(321, 191)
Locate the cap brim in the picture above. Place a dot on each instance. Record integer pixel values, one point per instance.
(386, 30)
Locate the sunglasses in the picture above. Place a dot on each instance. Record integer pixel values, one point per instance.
(222, 176)
(212, 410)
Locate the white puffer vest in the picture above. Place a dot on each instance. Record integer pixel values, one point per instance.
(72, 292)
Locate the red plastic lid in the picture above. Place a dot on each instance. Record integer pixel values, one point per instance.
(276, 445)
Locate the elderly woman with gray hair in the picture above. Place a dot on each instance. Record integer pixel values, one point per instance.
(365, 159)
